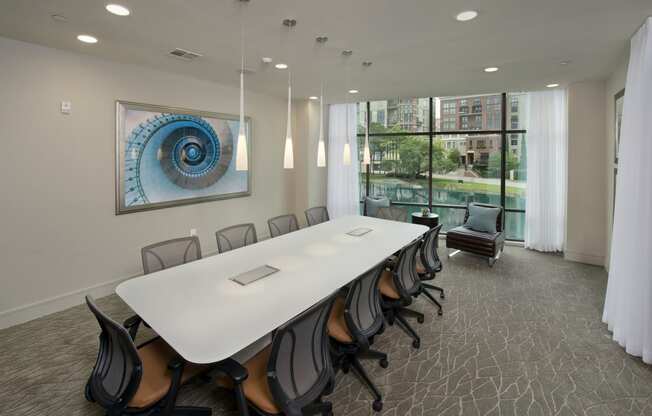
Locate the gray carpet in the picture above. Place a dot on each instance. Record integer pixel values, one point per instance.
(523, 338)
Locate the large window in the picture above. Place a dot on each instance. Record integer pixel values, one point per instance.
(443, 153)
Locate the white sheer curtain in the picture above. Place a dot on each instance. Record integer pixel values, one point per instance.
(343, 180)
(546, 121)
(628, 303)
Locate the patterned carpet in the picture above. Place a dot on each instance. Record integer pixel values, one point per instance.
(523, 338)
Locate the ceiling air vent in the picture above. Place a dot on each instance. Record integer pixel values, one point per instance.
(184, 54)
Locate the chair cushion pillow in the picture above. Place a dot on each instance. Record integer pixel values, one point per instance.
(373, 204)
(482, 219)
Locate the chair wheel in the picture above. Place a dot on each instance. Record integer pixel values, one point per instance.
(416, 343)
(442, 296)
(440, 312)
(384, 363)
(420, 319)
(377, 405)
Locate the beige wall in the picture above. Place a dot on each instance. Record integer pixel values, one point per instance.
(587, 180)
(310, 180)
(60, 236)
(614, 85)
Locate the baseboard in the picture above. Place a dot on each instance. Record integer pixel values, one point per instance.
(584, 258)
(26, 313)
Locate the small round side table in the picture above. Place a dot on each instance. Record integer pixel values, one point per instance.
(431, 220)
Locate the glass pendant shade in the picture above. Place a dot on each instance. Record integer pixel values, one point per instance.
(346, 157)
(366, 154)
(288, 157)
(242, 156)
(321, 147)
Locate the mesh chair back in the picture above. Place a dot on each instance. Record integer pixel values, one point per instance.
(236, 236)
(405, 275)
(316, 215)
(300, 365)
(429, 257)
(499, 219)
(118, 369)
(282, 224)
(393, 213)
(170, 253)
(363, 313)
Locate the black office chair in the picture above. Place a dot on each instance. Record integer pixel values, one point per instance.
(398, 286)
(429, 264)
(139, 381)
(352, 325)
(236, 236)
(316, 215)
(283, 224)
(291, 376)
(393, 213)
(163, 255)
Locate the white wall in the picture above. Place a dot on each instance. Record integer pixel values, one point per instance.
(614, 85)
(587, 179)
(60, 236)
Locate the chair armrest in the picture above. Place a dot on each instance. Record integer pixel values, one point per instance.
(131, 324)
(233, 369)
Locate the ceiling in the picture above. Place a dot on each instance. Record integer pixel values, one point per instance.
(416, 46)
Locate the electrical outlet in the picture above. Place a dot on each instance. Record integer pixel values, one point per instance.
(193, 232)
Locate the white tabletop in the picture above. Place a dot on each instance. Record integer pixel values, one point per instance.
(206, 317)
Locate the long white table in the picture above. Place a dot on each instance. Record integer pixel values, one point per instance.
(206, 317)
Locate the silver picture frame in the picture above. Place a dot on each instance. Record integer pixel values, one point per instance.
(120, 206)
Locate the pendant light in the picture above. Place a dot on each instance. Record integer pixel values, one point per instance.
(241, 155)
(321, 146)
(366, 154)
(346, 155)
(288, 155)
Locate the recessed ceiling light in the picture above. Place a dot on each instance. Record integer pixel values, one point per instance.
(467, 15)
(353, 91)
(314, 98)
(552, 85)
(565, 62)
(267, 60)
(118, 10)
(281, 66)
(59, 18)
(491, 69)
(87, 38)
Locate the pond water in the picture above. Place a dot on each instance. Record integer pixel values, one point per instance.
(400, 191)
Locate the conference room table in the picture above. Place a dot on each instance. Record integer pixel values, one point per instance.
(206, 317)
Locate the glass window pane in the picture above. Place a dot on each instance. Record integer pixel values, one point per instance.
(516, 174)
(362, 117)
(480, 112)
(516, 110)
(399, 168)
(514, 225)
(466, 168)
(399, 115)
(450, 217)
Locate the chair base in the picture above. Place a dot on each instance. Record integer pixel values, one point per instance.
(398, 314)
(491, 260)
(351, 361)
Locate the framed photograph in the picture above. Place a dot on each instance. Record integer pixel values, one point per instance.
(167, 157)
(618, 121)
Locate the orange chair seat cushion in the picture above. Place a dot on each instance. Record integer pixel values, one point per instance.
(157, 378)
(387, 287)
(421, 269)
(337, 327)
(255, 387)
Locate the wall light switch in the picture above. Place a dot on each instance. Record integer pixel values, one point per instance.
(193, 232)
(66, 107)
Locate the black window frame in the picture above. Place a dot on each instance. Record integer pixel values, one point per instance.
(432, 132)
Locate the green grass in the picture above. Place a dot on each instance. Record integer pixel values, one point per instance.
(454, 185)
